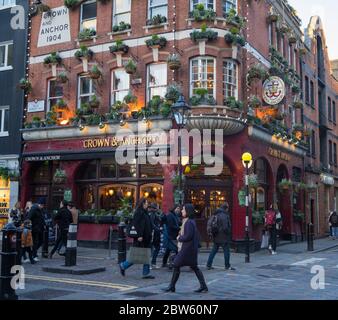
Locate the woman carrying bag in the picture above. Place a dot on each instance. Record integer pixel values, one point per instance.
(141, 249)
(188, 241)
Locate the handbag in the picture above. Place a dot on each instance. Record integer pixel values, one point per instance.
(139, 255)
(265, 241)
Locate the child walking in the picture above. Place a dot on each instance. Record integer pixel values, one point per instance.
(27, 241)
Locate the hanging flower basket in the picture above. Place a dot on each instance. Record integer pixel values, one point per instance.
(130, 67)
(95, 72)
(60, 176)
(94, 102)
(174, 62)
(285, 185)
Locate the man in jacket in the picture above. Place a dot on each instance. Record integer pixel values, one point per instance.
(63, 218)
(36, 216)
(156, 226)
(219, 230)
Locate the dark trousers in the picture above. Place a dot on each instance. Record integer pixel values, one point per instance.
(167, 254)
(37, 241)
(60, 241)
(30, 253)
(214, 250)
(273, 238)
(155, 251)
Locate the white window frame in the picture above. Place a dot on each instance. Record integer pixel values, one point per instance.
(81, 20)
(150, 8)
(49, 98)
(225, 83)
(92, 92)
(121, 13)
(2, 6)
(6, 45)
(233, 2)
(113, 90)
(270, 34)
(148, 79)
(2, 124)
(215, 74)
(205, 2)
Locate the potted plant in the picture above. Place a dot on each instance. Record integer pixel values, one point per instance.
(119, 47)
(130, 98)
(165, 110)
(258, 217)
(285, 185)
(156, 41)
(201, 14)
(4, 173)
(87, 217)
(60, 176)
(62, 77)
(234, 19)
(122, 26)
(84, 54)
(36, 122)
(95, 72)
(295, 89)
(298, 216)
(25, 85)
(72, 4)
(233, 103)
(51, 118)
(298, 104)
(254, 102)
(174, 90)
(257, 72)
(86, 34)
(272, 16)
(253, 181)
(174, 62)
(125, 211)
(130, 66)
(204, 34)
(53, 60)
(94, 102)
(156, 20)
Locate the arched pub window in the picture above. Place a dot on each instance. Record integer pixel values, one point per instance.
(259, 194)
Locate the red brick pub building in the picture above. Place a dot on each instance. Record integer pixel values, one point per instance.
(222, 55)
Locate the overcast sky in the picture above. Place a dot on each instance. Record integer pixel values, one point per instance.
(327, 10)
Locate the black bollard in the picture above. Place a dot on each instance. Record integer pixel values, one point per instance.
(45, 242)
(8, 260)
(122, 243)
(71, 250)
(310, 237)
(18, 245)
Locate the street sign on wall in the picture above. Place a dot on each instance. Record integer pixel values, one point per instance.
(36, 106)
(55, 27)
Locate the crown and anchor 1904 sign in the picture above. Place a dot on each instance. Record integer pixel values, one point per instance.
(273, 90)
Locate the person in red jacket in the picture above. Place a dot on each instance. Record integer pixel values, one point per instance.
(273, 220)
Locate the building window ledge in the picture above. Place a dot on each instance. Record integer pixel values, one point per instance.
(6, 68)
(156, 26)
(4, 134)
(93, 39)
(112, 34)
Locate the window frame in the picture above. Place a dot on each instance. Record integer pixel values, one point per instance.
(49, 98)
(329, 109)
(334, 112)
(121, 13)
(3, 7)
(335, 154)
(307, 89)
(6, 44)
(330, 152)
(203, 2)
(215, 74)
(313, 144)
(234, 63)
(3, 110)
(233, 5)
(312, 94)
(112, 89)
(150, 8)
(79, 96)
(148, 88)
(81, 13)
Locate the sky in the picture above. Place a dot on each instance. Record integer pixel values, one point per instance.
(327, 10)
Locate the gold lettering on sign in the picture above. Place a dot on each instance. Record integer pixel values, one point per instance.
(279, 154)
(115, 142)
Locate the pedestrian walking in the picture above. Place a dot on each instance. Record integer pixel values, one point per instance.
(219, 230)
(171, 227)
(330, 225)
(334, 224)
(273, 221)
(142, 224)
(16, 215)
(188, 240)
(63, 219)
(157, 229)
(27, 242)
(36, 215)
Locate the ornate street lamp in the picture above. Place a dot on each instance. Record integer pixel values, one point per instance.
(247, 163)
(180, 112)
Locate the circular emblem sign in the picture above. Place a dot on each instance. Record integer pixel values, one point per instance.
(273, 90)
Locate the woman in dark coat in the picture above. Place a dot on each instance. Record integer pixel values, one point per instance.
(188, 250)
(143, 226)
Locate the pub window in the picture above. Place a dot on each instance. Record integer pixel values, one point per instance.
(329, 107)
(230, 79)
(90, 172)
(7, 3)
(152, 192)
(335, 154)
(151, 171)
(156, 80)
(127, 170)
(4, 121)
(54, 93)
(88, 15)
(112, 196)
(296, 174)
(313, 144)
(203, 75)
(307, 90)
(108, 168)
(334, 115)
(229, 5)
(6, 55)
(260, 199)
(208, 4)
(261, 170)
(86, 90)
(158, 7)
(330, 152)
(120, 85)
(312, 90)
(122, 12)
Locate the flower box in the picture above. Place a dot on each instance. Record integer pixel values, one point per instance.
(86, 219)
(109, 219)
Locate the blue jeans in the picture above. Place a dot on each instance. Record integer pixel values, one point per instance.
(155, 252)
(214, 250)
(146, 267)
(335, 232)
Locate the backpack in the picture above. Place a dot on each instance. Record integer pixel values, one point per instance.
(270, 218)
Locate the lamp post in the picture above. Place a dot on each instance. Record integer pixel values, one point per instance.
(180, 112)
(247, 163)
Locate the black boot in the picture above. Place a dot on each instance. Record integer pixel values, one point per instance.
(200, 277)
(176, 275)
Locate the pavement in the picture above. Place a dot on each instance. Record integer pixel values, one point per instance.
(292, 274)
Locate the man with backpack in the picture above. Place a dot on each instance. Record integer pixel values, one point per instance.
(219, 230)
(334, 224)
(273, 220)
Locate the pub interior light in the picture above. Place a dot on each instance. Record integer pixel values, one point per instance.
(111, 192)
(102, 125)
(81, 127)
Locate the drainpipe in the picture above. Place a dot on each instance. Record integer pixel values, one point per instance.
(317, 208)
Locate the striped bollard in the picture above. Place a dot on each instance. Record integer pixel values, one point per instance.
(71, 249)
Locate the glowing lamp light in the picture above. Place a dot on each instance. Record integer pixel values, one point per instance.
(129, 194)
(64, 122)
(102, 125)
(81, 127)
(247, 160)
(185, 160)
(111, 192)
(146, 194)
(155, 189)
